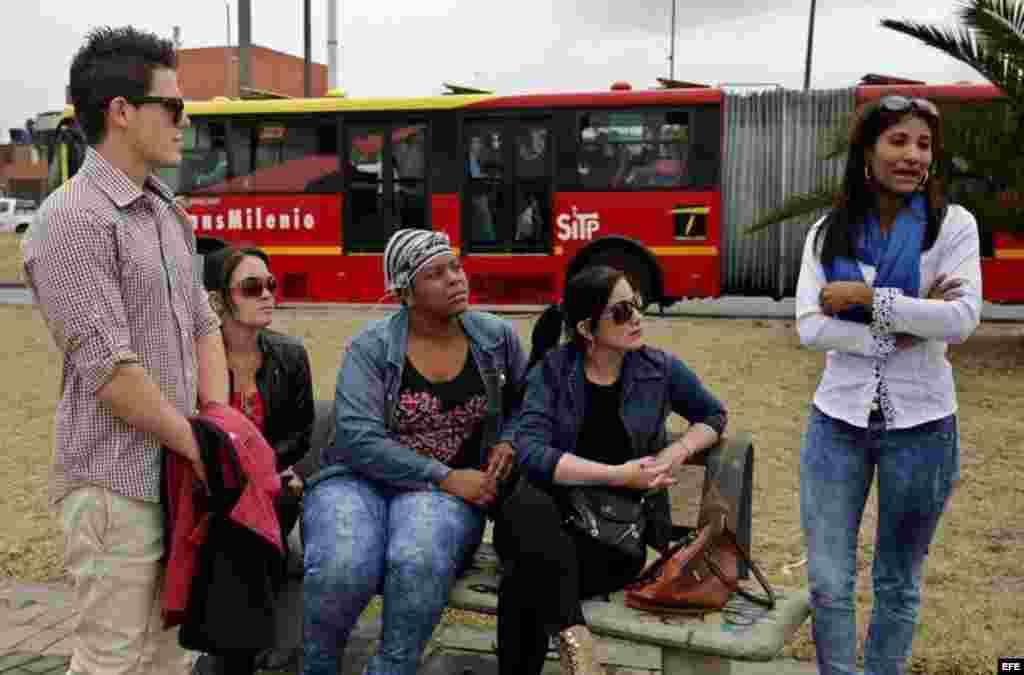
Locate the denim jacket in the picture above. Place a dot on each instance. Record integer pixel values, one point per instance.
(654, 384)
(366, 398)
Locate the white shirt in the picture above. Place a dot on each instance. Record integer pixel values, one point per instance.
(915, 384)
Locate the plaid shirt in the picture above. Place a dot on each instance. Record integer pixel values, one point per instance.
(112, 269)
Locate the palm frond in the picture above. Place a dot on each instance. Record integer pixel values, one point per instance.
(797, 206)
(956, 42)
(999, 25)
(1010, 11)
(961, 44)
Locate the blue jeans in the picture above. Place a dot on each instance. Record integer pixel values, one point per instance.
(917, 469)
(362, 538)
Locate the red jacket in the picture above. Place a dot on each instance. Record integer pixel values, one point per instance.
(224, 431)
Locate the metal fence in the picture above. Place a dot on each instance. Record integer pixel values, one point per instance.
(774, 142)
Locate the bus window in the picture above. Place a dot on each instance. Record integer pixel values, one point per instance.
(410, 147)
(266, 155)
(632, 150)
(533, 174)
(705, 149)
(484, 171)
(204, 162)
(507, 195)
(386, 187)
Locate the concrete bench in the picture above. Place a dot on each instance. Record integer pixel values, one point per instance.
(742, 631)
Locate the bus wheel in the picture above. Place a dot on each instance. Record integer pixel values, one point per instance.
(21, 228)
(638, 270)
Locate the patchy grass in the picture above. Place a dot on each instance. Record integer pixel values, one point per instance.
(973, 606)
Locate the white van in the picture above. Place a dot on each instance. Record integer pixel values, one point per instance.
(16, 214)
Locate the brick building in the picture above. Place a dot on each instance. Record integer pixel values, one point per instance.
(22, 171)
(206, 72)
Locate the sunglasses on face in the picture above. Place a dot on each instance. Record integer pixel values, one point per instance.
(622, 311)
(173, 105)
(252, 287)
(902, 104)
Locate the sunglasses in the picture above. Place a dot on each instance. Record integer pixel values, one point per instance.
(902, 104)
(252, 287)
(622, 311)
(173, 105)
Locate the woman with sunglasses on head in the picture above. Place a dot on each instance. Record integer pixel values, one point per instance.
(424, 440)
(594, 415)
(270, 382)
(890, 277)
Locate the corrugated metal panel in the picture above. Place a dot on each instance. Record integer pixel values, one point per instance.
(774, 144)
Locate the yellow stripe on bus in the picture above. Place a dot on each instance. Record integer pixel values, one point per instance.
(327, 104)
(691, 210)
(684, 250)
(301, 250)
(1010, 253)
(331, 104)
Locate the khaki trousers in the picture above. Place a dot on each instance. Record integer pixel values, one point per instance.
(113, 546)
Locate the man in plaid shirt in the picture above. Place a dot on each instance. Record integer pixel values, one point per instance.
(113, 268)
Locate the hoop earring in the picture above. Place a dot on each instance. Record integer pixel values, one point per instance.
(867, 173)
(924, 179)
(216, 303)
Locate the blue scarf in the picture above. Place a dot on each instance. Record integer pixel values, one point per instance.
(896, 257)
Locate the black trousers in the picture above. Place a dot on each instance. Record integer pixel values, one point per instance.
(243, 661)
(547, 571)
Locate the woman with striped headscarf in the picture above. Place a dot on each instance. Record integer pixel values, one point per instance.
(421, 448)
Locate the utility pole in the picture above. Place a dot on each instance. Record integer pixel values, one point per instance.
(672, 46)
(227, 50)
(810, 47)
(244, 44)
(333, 65)
(307, 54)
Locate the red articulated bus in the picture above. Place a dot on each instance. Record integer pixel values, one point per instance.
(530, 188)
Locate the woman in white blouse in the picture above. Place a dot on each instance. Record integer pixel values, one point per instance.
(889, 277)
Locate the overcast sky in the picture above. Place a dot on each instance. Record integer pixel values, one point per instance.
(408, 47)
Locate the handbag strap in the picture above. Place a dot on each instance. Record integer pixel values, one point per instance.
(703, 540)
(769, 598)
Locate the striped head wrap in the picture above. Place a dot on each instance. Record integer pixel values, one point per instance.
(407, 252)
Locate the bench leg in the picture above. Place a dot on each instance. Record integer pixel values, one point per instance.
(680, 662)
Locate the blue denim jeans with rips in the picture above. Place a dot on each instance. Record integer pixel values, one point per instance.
(917, 469)
(360, 539)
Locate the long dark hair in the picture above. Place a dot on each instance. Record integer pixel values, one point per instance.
(586, 296)
(839, 233)
(219, 266)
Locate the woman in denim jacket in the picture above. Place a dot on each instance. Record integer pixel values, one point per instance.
(594, 414)
(421, 447)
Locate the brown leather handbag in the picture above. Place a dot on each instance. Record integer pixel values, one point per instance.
(698, 576)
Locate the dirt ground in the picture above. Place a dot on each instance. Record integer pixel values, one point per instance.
(973, 606)
(10, 258)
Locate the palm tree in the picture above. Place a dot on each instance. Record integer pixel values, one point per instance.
(984, 142)
(990, 39)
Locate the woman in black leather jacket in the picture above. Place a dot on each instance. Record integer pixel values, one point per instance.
(269, 375)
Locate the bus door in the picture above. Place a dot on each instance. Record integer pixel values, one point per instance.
(65, 154)
(386, 187)
(507, 186)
